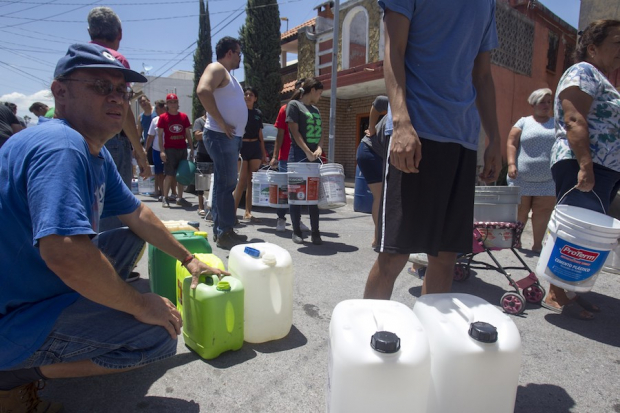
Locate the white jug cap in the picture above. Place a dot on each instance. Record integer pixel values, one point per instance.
(269, 259)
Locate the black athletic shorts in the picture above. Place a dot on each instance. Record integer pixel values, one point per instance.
(251, 150)
(430, 211)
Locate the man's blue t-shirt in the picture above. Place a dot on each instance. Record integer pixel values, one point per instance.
(145, 121)
(53, 187)
(445, 36)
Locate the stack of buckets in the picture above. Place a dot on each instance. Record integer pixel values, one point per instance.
(452, 353)
(254, 304)
(496, 204)
(576, 246)
(260, 188)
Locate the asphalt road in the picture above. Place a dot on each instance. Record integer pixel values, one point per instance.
(568, 365)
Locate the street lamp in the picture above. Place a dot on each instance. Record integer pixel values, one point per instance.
(286, 20)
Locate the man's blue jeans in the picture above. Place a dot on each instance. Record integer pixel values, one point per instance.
(120, 149)
(109, 338)
(225, 152)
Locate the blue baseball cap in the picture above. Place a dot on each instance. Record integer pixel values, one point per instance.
(93, 56)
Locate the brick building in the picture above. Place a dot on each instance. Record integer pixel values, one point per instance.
(535, 48)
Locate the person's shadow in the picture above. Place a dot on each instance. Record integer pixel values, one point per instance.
(123, 392)
(543, 398)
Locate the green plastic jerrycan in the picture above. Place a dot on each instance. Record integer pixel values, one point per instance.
(162, 267)
(211, 260)
(213, 315)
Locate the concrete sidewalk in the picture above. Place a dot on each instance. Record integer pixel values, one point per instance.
(568, 365)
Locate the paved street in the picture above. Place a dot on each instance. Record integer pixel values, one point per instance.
(568, 365)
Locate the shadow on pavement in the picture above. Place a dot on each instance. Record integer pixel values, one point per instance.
(123, 392)
(293, 340)
(604, 327)
(543, 398)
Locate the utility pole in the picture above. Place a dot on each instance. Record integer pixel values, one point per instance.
(334, 85)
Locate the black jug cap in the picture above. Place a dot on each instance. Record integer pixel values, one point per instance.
(483, 332)
(194, 224)
(385, 342)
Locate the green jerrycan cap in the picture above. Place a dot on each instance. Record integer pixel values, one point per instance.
(223, 286)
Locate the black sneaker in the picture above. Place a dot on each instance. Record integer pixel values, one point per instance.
(227, 240)
(316, 238)
(297, 238)
(235, 235)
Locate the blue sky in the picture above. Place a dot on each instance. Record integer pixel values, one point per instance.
(157, 34)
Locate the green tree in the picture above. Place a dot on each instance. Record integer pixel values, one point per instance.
(260, 42)
(202, 56)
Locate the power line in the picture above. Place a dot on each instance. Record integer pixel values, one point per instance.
(45, 18)
(21, 72)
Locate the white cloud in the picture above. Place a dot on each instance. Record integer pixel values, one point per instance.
(23, 102)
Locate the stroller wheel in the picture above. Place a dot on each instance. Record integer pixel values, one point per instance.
(534, 293)
(512, 303)
(461, 272)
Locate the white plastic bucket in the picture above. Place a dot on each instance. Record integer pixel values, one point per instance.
(147, 186)
(278, 189)
(202, 180)
(331, 186)
(576, 246)
(260, 188)
(303, 183)
(470, 372)
(496, 203)
(210, 197)
(364, 376)
(268, 282)
(612, 265)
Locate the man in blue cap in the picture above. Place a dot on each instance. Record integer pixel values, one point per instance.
(65, 310)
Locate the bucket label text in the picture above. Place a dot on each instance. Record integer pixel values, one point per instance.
(574, 263)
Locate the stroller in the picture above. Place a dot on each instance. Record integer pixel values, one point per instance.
(483, 238)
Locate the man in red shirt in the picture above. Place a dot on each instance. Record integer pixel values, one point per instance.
(174, 132)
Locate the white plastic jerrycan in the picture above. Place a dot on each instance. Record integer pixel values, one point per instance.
(475, 354)
(266, 272)
(379, 359)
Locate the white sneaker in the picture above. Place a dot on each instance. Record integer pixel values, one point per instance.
(303, 227)
(280, 225)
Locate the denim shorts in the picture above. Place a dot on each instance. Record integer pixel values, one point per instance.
(109, 338)
(370, 164)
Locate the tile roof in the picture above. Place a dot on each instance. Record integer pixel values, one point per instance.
(288, 87)
(290, 33)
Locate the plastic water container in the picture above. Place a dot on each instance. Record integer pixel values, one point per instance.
(162, 267)
(213, 315)
(379, 359)
(576, 247)
(260, 188)
(147, 186)
(612, 265)
(202, 177)
(362, 201)
(186, 172)
(475, 354)
(496, 203)
(179, 225)
(278, 189)
(331, 186)
(266, 271)
(303, 183)
(135, 188)
(210, 259)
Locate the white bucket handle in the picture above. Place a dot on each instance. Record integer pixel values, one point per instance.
(575, 187)
(266, 167)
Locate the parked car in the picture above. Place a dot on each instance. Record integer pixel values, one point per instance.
(269, 137)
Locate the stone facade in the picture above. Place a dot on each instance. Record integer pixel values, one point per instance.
(375, 14)
(306, 54)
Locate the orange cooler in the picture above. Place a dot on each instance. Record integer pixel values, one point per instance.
(213, 315)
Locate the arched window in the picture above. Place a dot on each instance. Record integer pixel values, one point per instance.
(355, 38)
